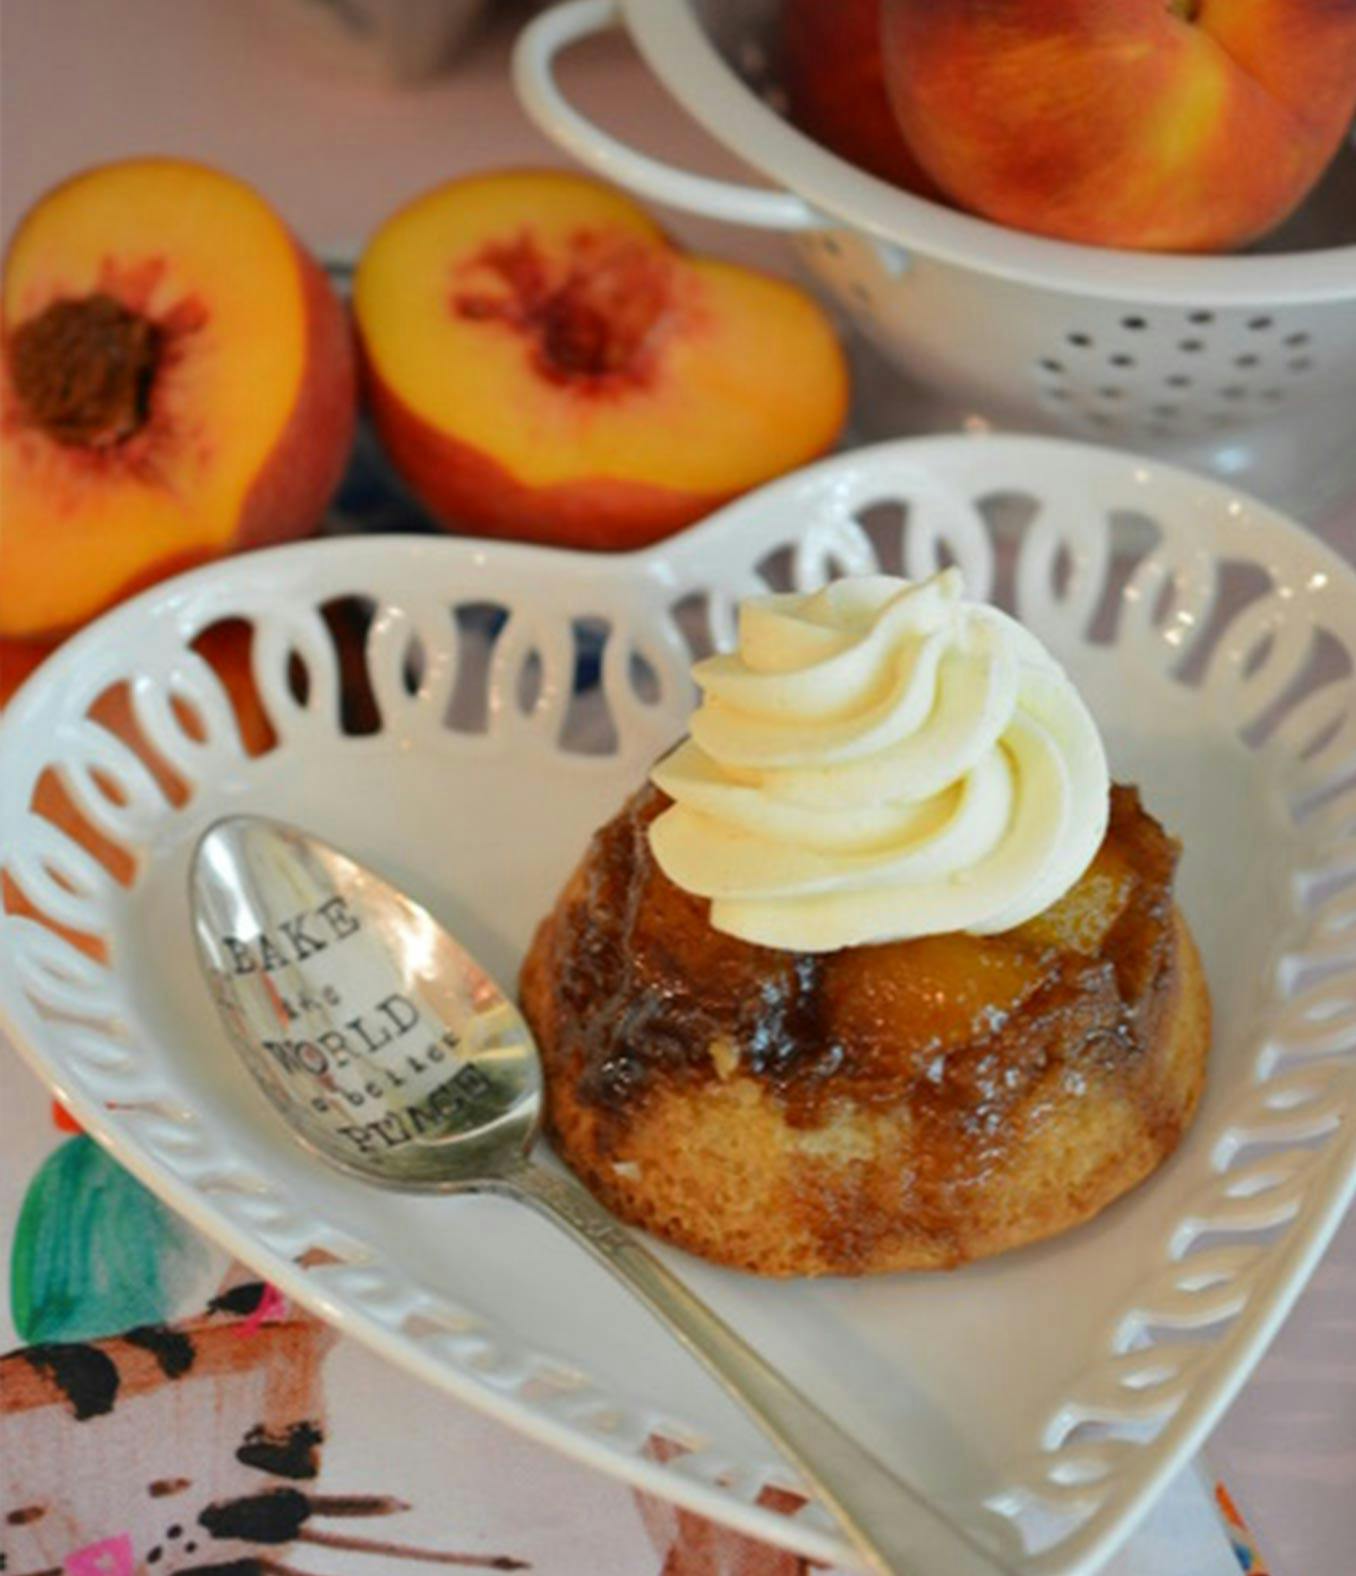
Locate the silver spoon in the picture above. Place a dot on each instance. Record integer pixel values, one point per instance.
(392, 1054)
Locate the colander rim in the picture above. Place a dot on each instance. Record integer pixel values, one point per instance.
(680, 53)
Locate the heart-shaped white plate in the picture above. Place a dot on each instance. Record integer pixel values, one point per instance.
(521, 693)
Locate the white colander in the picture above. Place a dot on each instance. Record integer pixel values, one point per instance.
(1244, 365)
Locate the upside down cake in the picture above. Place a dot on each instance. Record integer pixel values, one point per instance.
(880, 972)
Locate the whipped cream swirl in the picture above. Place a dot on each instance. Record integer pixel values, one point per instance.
(881, 760)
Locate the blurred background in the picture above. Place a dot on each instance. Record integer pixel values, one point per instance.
(321, 105)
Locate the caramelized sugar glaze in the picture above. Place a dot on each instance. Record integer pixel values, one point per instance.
(912, 1104)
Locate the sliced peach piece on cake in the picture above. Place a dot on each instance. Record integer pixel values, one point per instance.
(177, 382)
(543, 363)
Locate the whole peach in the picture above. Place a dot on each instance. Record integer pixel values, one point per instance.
(1170, 125)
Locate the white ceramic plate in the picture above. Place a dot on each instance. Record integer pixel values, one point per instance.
(1043, 1396)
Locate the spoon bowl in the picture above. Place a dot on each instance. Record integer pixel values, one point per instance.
(378, 1038)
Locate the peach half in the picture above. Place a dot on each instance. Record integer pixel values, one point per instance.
(543, 363)
(177, 382)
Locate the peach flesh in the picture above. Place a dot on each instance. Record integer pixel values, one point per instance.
(91, 372)
(597, 322)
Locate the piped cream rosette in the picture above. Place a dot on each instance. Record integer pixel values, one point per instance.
(881, 760)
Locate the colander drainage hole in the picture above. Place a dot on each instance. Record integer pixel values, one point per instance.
(1246, 361)
(1083, 341)
(1122, 361)
(1191, 346)
(1200, 317)
(1178, 380)
(1259, 324)
(1294, 341)
(1134, 324)
(1299, 363)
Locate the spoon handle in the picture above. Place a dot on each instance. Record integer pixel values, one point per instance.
(893, 1526)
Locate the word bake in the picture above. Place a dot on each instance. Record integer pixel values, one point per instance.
(292, 941)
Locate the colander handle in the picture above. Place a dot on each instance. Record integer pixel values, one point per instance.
(534, 78)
